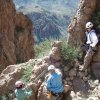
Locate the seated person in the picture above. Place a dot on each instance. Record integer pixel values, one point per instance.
(21, 92)
(54, 81)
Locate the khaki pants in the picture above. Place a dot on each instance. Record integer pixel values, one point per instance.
(88, 57)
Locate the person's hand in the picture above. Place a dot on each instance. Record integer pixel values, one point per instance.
(93, 48)
(29, 85)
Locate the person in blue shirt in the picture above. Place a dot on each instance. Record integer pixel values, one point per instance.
(21, 92)
(54, 82)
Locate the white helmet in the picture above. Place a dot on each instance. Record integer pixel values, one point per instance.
(18, 83)
(51, 67)
(89, 25)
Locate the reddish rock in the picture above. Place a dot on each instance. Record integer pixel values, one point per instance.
(96, 58)
(16, 40)
(55, 54)
(96, 70)
(77, 26)
(77, 29)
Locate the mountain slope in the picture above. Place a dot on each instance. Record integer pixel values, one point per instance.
(50, 17)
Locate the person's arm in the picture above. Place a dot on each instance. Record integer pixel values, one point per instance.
(94, 38)
(28, 92)
(48, 82)
(85, 38)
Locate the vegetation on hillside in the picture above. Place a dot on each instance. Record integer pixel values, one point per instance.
(50, 17)
(42, 49)
(70, 53)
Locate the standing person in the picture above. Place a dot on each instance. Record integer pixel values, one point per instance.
(21, 92)
(91, 43)
(54, 83)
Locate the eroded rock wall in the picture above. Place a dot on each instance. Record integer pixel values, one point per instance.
(76, 29)
(77, 26)
(16, 40)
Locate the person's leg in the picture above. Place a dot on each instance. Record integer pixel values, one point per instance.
(59, 98)
(88, 58)
(84, 48)
(53, 97)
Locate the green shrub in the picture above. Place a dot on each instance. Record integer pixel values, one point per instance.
(25, 78)
(43, 48)
(28, 72)
(70, 53)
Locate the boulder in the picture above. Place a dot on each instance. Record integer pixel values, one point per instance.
(72, 72)
(55, 54)
(96, 70)
(80, 85)
(57, 44)
(8, 78)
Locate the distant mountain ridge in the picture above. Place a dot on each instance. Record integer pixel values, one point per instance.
(49, 4)
(50, 17)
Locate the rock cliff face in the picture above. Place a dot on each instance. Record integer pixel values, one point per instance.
(16, 39)
(76, 29)
(77, 26)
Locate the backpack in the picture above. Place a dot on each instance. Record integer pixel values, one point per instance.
(98, 35)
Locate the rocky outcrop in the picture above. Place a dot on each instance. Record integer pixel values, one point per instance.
(40, 71)
(11, 74)
(77, 27)
(16, 40)
(8, 78)
(76, 83)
